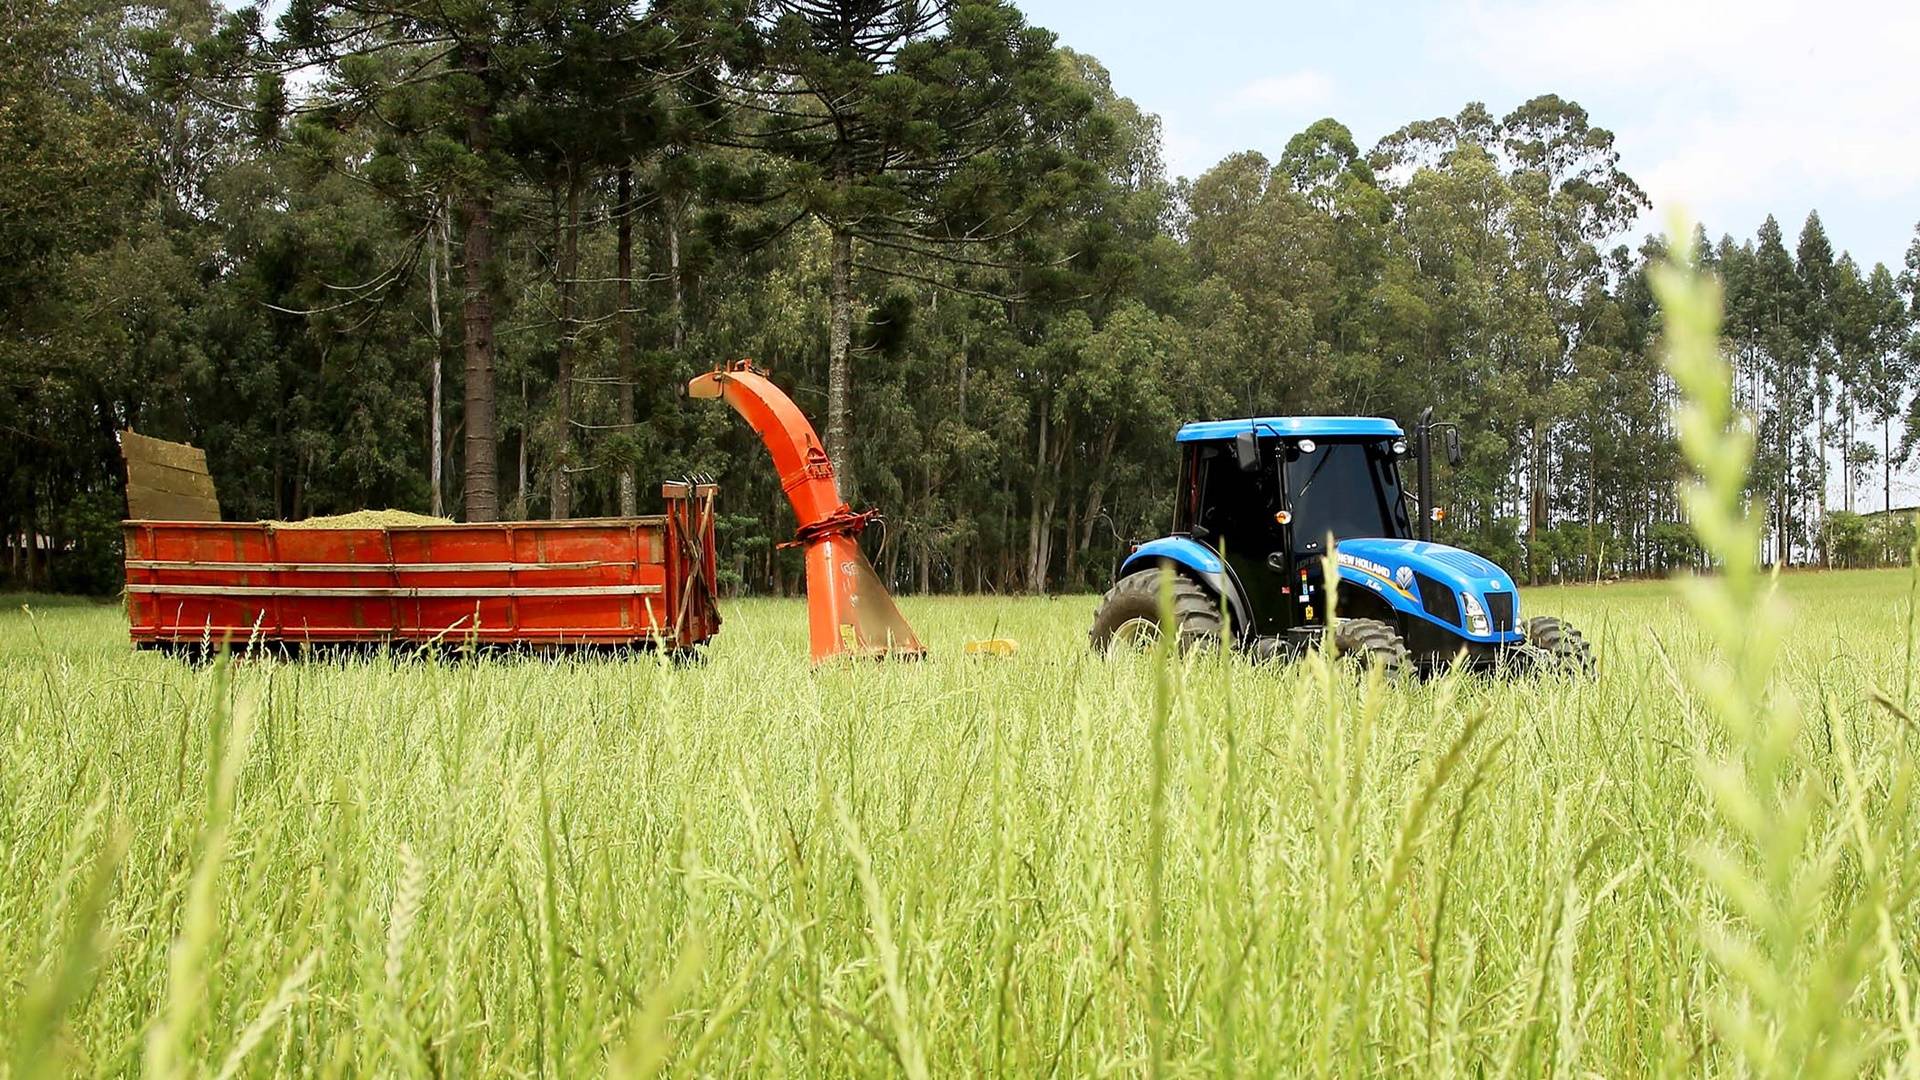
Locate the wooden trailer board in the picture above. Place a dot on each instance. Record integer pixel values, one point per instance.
(167, 481)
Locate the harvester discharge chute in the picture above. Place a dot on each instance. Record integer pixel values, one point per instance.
(849, 612)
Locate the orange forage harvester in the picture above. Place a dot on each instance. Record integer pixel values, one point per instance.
(849, 612)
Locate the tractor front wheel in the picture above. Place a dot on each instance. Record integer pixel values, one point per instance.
(1129, 615)
(1563, 647)
(1371, 642)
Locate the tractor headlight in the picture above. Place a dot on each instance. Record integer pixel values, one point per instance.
(1476, 615)
(1399, 448)
(1307, 446)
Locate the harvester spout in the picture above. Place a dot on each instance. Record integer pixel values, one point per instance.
(849, 611)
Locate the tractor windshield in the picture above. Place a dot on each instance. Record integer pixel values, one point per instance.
(1349, 489)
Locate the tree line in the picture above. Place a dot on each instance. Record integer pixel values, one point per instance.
(460, 258)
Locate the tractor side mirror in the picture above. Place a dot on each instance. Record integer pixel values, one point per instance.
(1454, 456)
(1246, 450)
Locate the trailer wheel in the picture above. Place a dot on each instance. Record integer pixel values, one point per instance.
(1372, 642)
(1565, 650)
(1129, 615)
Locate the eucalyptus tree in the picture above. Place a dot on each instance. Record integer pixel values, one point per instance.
(1084, 260)
(1565, 193)
(1566, 170)
(1890, 372)
(1868, 323)
(1814, 306)
(1885, 327)
(1252, 232)
(1906, 363)
(1324, 165)
(1767, 293)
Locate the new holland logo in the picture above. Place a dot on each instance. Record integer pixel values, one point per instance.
(1404, 577)
(1365, 566)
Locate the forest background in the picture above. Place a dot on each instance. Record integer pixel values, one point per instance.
(459, 257)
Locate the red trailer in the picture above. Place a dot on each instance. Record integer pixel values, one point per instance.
(612, 582)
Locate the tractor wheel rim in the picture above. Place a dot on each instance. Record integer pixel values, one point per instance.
(1137, 632)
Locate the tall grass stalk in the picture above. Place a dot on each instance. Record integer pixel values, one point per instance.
(750, 867)
(174, 1045)
(906, 1039)
(74, 940)
(1165, 653)
(1913, 620)
(1791, 927)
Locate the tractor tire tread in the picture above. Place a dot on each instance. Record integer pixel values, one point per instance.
(1562, 642)
(1371, 641)
(1196, 612)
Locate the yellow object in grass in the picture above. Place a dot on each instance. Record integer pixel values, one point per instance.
(993, 647)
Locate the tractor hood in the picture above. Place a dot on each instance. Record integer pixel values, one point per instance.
(1455, 589)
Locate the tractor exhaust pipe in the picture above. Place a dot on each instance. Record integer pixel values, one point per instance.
(1423, 447)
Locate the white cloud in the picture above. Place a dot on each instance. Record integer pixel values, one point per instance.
(1295, 90)
(1728, 107)
(1186, 153)
(1731, 109)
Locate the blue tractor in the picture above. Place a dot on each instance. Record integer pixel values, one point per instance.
(1259, 499)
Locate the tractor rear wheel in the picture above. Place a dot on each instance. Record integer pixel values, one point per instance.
(1129, 615)
(1565, 650)
(1371, 642)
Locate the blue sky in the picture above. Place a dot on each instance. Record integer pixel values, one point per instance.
(1732, 109)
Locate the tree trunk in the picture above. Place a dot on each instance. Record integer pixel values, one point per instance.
(1820, 478)
(1782, 542)
(1536, 497)
(434, 433)
(963, 374)
(569, 262)
(1096, 493)
(481, 485)
(1003, 572)
(1593, 472)
(28, 540)
(280, 455)
(1067, 472)
(674, 278)
(1846, 457)
(924, 546)
(623, 327)
(839, 344)
(1039, 521)
(1846, 460)
(1048, 471)
(1068, 579)
(520, 498)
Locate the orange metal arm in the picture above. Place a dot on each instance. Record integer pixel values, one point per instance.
(806, 473)
(844, 596)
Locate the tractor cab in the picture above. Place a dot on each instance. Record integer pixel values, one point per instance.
(1266, 494)
(1260, 500)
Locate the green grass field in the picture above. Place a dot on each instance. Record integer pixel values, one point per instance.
(1051, 864)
